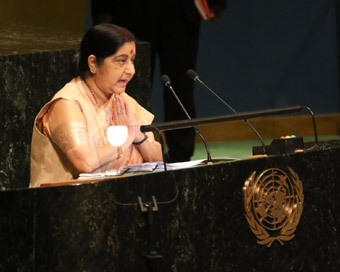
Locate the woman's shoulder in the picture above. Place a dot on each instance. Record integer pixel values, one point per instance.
(70, 92)
(71, 89)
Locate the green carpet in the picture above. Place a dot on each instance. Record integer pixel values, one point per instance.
(240, 149)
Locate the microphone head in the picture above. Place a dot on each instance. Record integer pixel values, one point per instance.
(165, 80)
(192, 74)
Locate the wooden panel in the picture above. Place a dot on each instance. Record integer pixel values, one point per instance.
(327, 124)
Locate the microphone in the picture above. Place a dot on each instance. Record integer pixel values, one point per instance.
(167, 82)
(194, 76)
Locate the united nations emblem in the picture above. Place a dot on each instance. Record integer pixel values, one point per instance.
(273, 203)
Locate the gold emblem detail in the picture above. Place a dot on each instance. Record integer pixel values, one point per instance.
(273, 203)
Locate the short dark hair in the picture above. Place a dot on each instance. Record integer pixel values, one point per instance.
(102, 41)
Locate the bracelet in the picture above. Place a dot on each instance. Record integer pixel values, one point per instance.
(142, 141)
(120, 152)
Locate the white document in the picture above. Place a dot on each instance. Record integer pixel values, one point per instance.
(158, 166)
(106, 174)
(149, 167)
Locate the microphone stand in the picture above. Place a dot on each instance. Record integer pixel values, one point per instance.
(166, 80)
(314, 123)
(153, 128)
(193, 75)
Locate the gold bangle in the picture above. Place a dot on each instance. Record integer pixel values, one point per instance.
(120, 152)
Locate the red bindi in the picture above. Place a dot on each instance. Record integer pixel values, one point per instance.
(131, 52)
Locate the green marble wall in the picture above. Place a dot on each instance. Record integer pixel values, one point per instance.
(200, 224)
(27, 82)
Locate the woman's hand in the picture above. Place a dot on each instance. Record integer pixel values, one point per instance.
(122, 115)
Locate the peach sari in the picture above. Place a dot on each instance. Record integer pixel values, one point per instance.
(48, 160)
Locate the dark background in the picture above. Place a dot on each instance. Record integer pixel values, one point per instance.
(266, 54)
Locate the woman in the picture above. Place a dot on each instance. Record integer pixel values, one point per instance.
(69, 135)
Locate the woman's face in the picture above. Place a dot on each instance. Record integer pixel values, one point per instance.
(114, 73)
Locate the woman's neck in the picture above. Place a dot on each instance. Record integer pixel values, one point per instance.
(97, 95)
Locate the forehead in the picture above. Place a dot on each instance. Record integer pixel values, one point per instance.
(128, 48)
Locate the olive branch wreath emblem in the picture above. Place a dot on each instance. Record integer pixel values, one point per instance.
(273, 204)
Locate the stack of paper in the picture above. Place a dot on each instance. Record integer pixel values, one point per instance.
(158, 166)
(109, 173)
(148, 167)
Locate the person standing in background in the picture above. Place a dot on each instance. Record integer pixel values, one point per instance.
(172, 27)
